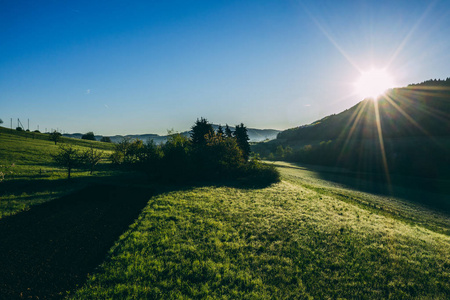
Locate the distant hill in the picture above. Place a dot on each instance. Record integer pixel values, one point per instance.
(118, 138)
(255, 135)
(417, 110)
(410, 124)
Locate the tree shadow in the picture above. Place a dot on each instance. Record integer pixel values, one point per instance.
(51, 248)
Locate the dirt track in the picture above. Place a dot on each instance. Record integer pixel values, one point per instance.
(51, 248)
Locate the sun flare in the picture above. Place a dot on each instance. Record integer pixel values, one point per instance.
(373, 83)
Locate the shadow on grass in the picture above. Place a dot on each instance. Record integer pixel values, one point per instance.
(51, 248)
(433, 193)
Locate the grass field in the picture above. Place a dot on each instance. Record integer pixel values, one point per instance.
(300, 239)
(317, 234)
(31, 177)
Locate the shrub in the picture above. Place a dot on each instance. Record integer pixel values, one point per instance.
(257, 174)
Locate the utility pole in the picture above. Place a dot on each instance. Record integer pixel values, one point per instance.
(28, 124)
(19, 124)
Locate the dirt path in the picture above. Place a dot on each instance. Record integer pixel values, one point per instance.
(51, 248)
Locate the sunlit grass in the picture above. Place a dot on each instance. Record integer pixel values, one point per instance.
(31, 176)
(400, 208)
(285, 241)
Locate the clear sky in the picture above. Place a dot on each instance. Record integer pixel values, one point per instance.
(128, 67)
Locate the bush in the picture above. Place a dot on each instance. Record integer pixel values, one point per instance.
(257, 174)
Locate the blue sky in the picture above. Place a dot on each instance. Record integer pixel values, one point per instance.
(123, 67)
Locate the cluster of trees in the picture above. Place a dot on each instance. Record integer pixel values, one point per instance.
(206, 154)
(420, 157)
(56, 136)
(70, 157)
(90, 136)
(433, 82)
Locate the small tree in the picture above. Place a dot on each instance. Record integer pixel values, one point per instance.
(67, 157)
(88, 136)
(91, 158)
(1, 121)
(106, 139)
(55, 136)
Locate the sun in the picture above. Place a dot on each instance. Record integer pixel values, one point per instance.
(373, 83)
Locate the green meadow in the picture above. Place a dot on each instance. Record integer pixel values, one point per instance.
(31, 177)
(302, 238)
(309, 236)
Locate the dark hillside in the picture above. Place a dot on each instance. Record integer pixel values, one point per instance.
(407, 131)
(417, 110)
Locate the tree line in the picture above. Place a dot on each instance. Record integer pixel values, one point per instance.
(205, 155)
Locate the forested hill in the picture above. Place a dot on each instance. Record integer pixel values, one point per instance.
(407, 131)
(417, 110)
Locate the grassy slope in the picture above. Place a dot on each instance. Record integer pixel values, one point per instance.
(34, 178)
(301, 238)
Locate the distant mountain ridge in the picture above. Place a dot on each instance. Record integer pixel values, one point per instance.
(255, 135)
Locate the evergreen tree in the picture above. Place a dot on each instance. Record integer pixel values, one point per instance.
(198, 132)
(228, 131)
(220, 131)
(242, 140)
